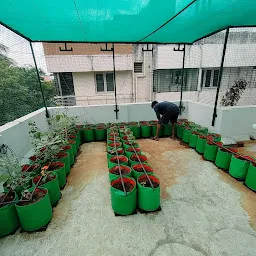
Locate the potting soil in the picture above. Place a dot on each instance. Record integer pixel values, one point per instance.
(120, 161)
(37, 195)
(145, 183)
(128, 187)
(115, 170)
(6, 198)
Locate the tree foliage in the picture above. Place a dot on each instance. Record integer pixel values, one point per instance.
(20, 91)
(234, 93)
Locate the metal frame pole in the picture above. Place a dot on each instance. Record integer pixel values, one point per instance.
(182, 77)
(114, 74)
(182, 72)
(39, 80)
(220, 76)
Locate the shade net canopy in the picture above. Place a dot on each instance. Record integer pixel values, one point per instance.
(144, 21)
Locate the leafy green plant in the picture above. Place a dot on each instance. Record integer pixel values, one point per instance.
(11, 166)
(46, 144)
(234, 93)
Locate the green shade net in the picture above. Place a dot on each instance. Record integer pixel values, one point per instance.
(155, 21)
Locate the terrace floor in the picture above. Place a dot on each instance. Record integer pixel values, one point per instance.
(204, 211)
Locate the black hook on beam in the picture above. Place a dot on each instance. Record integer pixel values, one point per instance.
(66, 48)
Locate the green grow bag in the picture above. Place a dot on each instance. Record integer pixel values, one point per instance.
(238, 167)
(64, 158)
(72, 143)
(146, 131)
(32, 169)
(123, 204)
(200, 144)
(127, 138)
(216, 137)
(112, 145)
(148, 198)
(80, 131)
(127, 144)
(153, 130)
(113, 161)
(114, 172)
(70, 152)
(134, 159)
(59, 168)
(167, 130)
(186, 135)
(179, 131)
(250, 180)
(136, 131)
(193, 140)
(137, 170)
(78, 138)
(52, 187)
(223, 158)
(210, 151)
(9, 220)
(35, 215)
(130, 151)
(75, 138)
(112, 152)
(100, 134)
(88, 134)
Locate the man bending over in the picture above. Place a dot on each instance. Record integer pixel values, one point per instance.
(166, 112)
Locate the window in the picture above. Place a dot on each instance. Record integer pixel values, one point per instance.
(169, 80)
(210, 78)
(104, 82)
(138, 67)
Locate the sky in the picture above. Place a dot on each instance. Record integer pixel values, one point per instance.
(19, 49)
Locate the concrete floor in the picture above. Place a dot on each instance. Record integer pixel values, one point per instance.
(204, 211)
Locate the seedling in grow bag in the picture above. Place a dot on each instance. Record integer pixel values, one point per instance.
(32, 197)
(113, 151)
(125, 170)
(117, 184)
(133, 123)
(115, 144)
(144, 181)
(139, 158)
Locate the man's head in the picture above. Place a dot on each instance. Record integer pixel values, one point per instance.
(153, 104)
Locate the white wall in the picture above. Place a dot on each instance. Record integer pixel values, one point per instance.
(16, 134)
(237, 121)
(202, 114)
(85, 63)
(85, 89)
(105, 113)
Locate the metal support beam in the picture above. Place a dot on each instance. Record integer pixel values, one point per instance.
(39, 80)
(220, 76)
(112, 49)
(114, 66)
(182, 72)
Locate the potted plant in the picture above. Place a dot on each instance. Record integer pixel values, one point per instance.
(200, 144)
(135, 159)
(117, 160)
(47, 147)
(49, 181)
(139, 169)
(34, 209)
(114, 172)
(114, 151)
(223, 157)
(239, 165)
(135, 127)
(9, 220)
(146, 129)
(250, 180)
(148, 192)
(123, 195)
(210, 150)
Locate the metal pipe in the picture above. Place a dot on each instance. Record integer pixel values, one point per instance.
(114, 80)
(220, 76)
(182, 77)
(39, 80)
